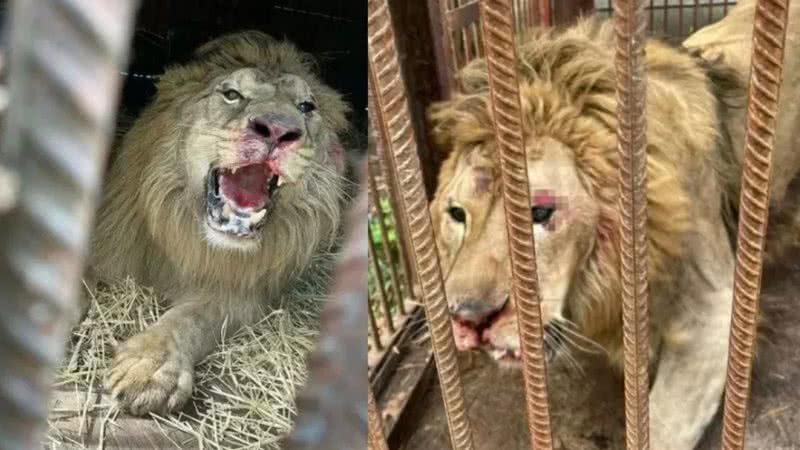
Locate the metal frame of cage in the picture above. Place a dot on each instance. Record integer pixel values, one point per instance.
(391, 113)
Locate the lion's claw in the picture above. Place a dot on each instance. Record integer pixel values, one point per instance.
(150, 375)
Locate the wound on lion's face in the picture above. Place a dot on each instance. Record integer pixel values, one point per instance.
(218, 223)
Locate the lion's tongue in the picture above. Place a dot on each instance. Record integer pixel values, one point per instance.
(247, 188)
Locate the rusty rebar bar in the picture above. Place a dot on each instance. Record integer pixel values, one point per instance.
(498, 42)
(373, 326)
(545, 14)
(399, 141)
(332, 411)
(382, 297)
(769, 35)
(376, 439)
(630, 26)
(387, 251)
(64, 85)
(390, 180)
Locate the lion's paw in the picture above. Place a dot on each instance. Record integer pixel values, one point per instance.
(149, 375)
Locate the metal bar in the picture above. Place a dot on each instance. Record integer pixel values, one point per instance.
(769, 36)
(443, 46)
(680, 19)
(390, 178)
(710, 11)
(376, 439)
(332, 413)
(64, 85)
(545, 18)
(630, 24)
(376, 270)
(399, 225)
(400, 142)
(373, 325)
(651, 9)
(387, 251)
(694, 15)
(498, 37)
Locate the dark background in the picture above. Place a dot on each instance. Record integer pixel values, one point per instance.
(334, 31)
(168, 31)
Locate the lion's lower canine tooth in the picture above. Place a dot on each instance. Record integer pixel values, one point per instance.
(256, 217)
(281, 181)
(226, 210)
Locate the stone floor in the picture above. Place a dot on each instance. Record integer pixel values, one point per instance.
(587, 408)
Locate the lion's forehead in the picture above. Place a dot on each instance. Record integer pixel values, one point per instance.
(269, 83)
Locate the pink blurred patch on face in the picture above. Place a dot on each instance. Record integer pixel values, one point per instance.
(252, 147)
(548, 198)
(337, 154)
(465, 336)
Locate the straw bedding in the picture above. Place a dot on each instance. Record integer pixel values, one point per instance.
(244, 391)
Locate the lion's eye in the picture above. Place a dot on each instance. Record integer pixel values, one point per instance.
(232, 95)
(541, 214)
(306, 107)
(457, 214)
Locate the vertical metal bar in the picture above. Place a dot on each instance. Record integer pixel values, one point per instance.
(399, 224)
(710, 11)
(332, 411)
(373, 325)
(498, 37)
(378, 273)
(390, 177)
(694, 15)
(399, 141)
(545, 18)
(376, 438)
(64, 85)
(630, 24)
(387, 251)
(652, 10)
(443, 46)
(680, 19)
(769, 36)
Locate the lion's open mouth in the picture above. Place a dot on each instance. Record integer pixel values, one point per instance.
(238, 200)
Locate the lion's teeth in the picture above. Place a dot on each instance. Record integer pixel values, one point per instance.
(226, 210)
(256, 217)
(281, 181)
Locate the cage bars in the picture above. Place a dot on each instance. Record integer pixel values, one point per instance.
(398, 139)
(56, 137)
(498, 35)
(630, 26)
(376, 440)
(766, 70)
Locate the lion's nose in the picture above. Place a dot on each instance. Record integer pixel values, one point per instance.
(276, 130)
(472, 312)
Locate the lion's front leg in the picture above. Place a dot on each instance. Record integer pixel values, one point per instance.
(690, 379)
(153, 371)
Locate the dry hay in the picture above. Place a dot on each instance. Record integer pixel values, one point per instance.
(244, 391)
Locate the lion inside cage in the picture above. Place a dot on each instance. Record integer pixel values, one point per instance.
(693, 160)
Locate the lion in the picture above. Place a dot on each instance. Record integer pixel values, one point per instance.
(567, 93)
(220, 197)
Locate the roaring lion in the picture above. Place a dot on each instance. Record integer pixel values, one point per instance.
(694, 155)
(220, 197)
